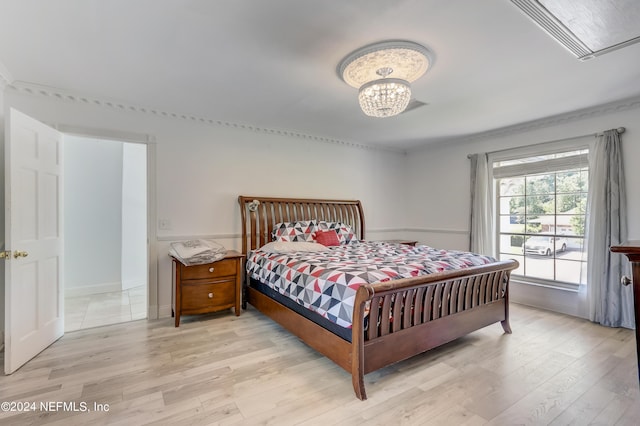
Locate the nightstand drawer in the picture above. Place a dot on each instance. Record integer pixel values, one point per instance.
(222, 268)
(207, 297)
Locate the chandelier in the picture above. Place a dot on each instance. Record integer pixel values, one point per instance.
(383, 72)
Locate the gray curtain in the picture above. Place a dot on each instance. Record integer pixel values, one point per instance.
(481, 238)
(610, 303)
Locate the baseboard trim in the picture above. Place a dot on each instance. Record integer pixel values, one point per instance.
(558, 300)
(92, 289)
(165, 311)
(129, 284)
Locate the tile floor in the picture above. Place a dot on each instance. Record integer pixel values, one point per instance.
(94, 310)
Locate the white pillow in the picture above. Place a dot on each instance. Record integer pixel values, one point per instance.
(292, 247)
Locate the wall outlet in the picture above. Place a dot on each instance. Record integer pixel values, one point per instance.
(164, 224)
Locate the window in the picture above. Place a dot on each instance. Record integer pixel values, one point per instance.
(541, 203)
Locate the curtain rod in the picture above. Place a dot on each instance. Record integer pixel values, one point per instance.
(619, 129)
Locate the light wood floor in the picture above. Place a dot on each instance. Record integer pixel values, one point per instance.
(223, 369)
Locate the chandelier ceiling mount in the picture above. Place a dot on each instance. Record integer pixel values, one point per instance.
(383, 72)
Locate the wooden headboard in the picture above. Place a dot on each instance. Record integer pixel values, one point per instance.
(260, 214)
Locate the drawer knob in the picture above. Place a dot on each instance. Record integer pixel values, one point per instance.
(210, 295)
(211, 269)
(625, 280)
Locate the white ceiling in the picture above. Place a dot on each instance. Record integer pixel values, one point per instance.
(272, 64)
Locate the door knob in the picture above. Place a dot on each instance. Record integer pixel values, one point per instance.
(18, 253)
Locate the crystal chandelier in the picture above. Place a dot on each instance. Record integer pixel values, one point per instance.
(382, 72)
(384, 97)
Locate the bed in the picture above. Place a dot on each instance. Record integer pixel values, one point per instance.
(388, 320)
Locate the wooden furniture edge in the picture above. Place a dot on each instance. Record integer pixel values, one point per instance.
(631, 249)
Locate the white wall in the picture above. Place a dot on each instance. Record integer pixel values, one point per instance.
(92, 215)
(201, 168)
(438, 181)
(134, 215)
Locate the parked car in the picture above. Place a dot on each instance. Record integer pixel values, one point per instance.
(544, 245)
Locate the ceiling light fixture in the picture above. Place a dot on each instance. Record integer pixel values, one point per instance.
(383, 72)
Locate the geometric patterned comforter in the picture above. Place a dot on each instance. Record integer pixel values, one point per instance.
(326, 282)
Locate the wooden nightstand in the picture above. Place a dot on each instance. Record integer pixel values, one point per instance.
(406, 242)
(208, 287)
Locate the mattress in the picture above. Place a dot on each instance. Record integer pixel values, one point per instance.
(326, 282)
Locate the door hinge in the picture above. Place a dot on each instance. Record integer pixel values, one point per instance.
(5, 254)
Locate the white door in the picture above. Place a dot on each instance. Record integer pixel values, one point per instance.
(34, 299)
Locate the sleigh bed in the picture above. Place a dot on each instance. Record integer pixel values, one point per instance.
(385, 321)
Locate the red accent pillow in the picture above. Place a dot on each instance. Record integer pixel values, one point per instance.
(327, 238)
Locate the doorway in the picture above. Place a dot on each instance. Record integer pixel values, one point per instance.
(105, 216)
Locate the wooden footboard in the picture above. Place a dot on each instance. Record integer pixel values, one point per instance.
(410, 316)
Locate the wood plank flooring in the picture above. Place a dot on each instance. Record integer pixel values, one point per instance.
(228, 370)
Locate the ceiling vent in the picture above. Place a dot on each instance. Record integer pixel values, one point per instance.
(587, 28)
(413, 104)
